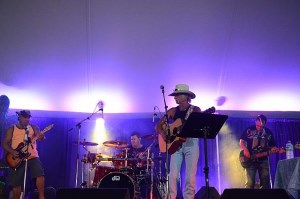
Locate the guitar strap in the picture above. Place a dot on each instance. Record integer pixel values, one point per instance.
(189, 112)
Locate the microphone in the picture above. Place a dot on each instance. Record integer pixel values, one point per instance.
(154, 115)
(100, 105)
(26, 132)
(27, 128)
(162, 87)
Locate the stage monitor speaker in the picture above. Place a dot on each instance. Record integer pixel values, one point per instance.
(77, 193)
(254, 194)
(49, 192)
(213, 193)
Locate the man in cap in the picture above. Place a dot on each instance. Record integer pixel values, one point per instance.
(189, 149)
(22, 132)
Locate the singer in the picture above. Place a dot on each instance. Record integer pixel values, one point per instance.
(189, 150)
(16, 136)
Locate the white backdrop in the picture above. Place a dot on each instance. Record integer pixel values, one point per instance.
(67, 55)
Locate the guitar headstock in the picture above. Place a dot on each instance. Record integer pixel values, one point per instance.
(277, 150)
(48, 128)
(281, 150)
(210, 110)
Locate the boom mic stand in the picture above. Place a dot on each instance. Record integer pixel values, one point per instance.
(167, 140)
(78, 126)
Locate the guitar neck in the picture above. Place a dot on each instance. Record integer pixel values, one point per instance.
(262, 154)
(42, 132)
(266, 153)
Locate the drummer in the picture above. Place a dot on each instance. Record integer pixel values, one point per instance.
(136, 149)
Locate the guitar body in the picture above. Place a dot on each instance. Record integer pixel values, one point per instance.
(245, 162)
(174, 141)
(13, 161)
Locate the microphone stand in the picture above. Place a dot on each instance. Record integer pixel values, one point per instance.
(78, 125)
(27, 141)
(167, 141)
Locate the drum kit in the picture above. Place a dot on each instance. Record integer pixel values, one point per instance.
(134, 172)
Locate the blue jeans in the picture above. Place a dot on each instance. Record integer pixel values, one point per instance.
(262, 167)
(190, 152)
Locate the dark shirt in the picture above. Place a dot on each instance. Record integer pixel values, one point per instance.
(180, 114)
(258, 141)
(133, 152)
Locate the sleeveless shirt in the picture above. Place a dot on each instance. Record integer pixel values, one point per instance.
(18, 137)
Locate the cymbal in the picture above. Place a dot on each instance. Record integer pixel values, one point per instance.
(115, 144)
(85, 143)
(149, 137)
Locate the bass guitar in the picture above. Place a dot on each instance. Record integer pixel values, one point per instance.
(175, 141)
(246, 162)
(15, 161)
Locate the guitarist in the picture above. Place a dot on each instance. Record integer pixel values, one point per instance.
(15, 136)
(189, 150)
(257, 140)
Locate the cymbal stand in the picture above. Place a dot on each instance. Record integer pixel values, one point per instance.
(161, 185)
(78, 126)
(167, 140)
(152, 178)
(150, 160)
(126, 157)
(84, 162)
(148, 154)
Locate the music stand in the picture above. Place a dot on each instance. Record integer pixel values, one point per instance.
(203, 125)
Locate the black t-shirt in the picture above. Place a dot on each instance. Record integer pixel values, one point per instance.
(258, 141)
(133, 152)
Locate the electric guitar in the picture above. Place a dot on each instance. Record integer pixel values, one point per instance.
(15, 161)
(246, 162)
(175, 141)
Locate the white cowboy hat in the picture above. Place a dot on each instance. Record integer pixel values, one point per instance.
(183, 89)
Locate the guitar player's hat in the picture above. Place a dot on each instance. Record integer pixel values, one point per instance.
(24, 113)
(183, 89)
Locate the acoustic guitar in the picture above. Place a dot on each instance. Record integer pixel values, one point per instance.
(247, 162)
(175, 141)
(15, 161)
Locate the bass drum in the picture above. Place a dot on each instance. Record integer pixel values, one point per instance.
(118, 180)
(100, 172)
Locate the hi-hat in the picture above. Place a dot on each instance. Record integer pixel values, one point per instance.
(115, 144)
(85, 143)
(149, 137)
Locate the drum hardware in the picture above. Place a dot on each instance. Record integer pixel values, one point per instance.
(78, 126)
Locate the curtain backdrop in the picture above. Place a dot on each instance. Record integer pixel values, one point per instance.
(58, 152)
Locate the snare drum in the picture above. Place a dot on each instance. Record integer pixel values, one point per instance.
(118, 180)
(100, 172)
